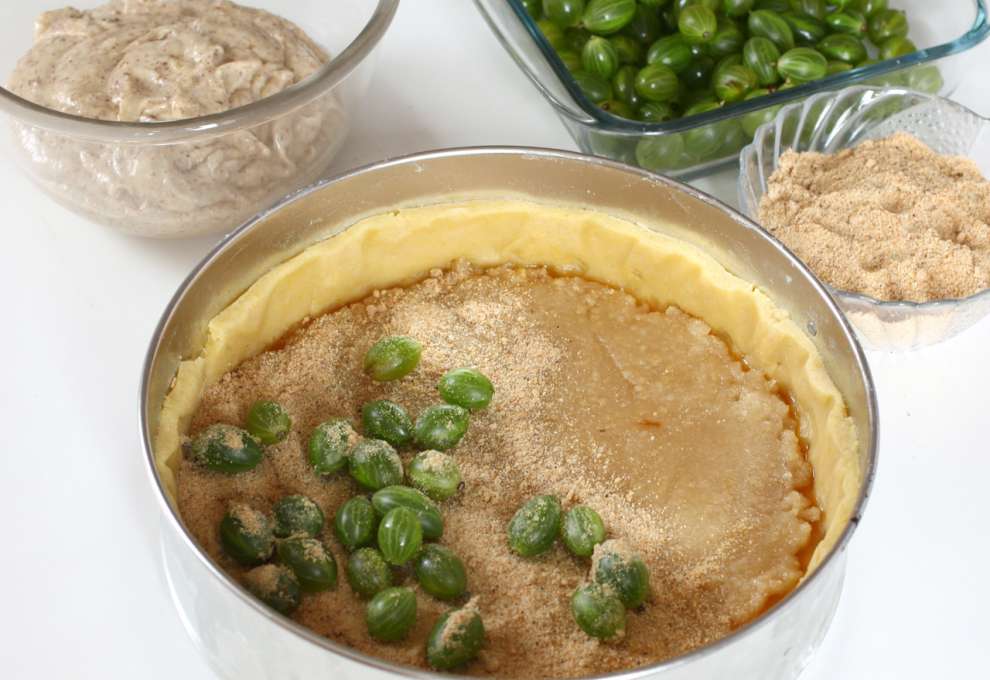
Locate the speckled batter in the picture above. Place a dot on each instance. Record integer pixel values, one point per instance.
(151, 61)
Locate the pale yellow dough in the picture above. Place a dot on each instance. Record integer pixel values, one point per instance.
(401, 246)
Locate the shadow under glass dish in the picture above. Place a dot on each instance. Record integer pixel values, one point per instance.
(945, 32)
(245, 640)
(831, 122)
(108, 171)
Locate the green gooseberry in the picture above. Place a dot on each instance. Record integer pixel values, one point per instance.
(313, 565)
(436, 474)
(268, 422)
(391, 614)
(355, 524)
(388, 421)
(375, 464)
(392, 358)
(535, 526)
(616, 566)
(225, 448)
(399, 535)
(330, 444)
(297, 514)
(276, 586)
(368, 573)
(456, 639)
(466, 387)
(440, 572)
(440, 427)
(598, 611)
(246, 535)
(581, 530)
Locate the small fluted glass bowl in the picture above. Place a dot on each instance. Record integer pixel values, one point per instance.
(831, 122)
(198, 175)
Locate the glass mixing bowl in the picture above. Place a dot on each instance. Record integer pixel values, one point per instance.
(205, 174)
(696, 146)
(830, 122)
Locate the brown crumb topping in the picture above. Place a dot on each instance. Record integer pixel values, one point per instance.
(254, 522)
(458, 622)
(267, 580)
(890, 218)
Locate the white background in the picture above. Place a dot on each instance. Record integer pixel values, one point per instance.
(81, 592)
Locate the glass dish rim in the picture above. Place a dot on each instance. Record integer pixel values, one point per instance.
(848, 296)
(611, 123)
(249, 115)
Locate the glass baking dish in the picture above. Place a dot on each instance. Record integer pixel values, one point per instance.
(943, 31)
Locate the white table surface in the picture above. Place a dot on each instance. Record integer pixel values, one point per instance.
(82, 591)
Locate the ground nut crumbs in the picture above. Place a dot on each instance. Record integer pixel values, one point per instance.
(313, 551)
(617, 547)
(435, 461)
(715, 501)
(234, 438)
(890, 219)
(250, 519)
(458, 622)
(266, 579)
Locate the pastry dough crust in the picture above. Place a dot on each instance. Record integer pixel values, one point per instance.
(402, 246)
